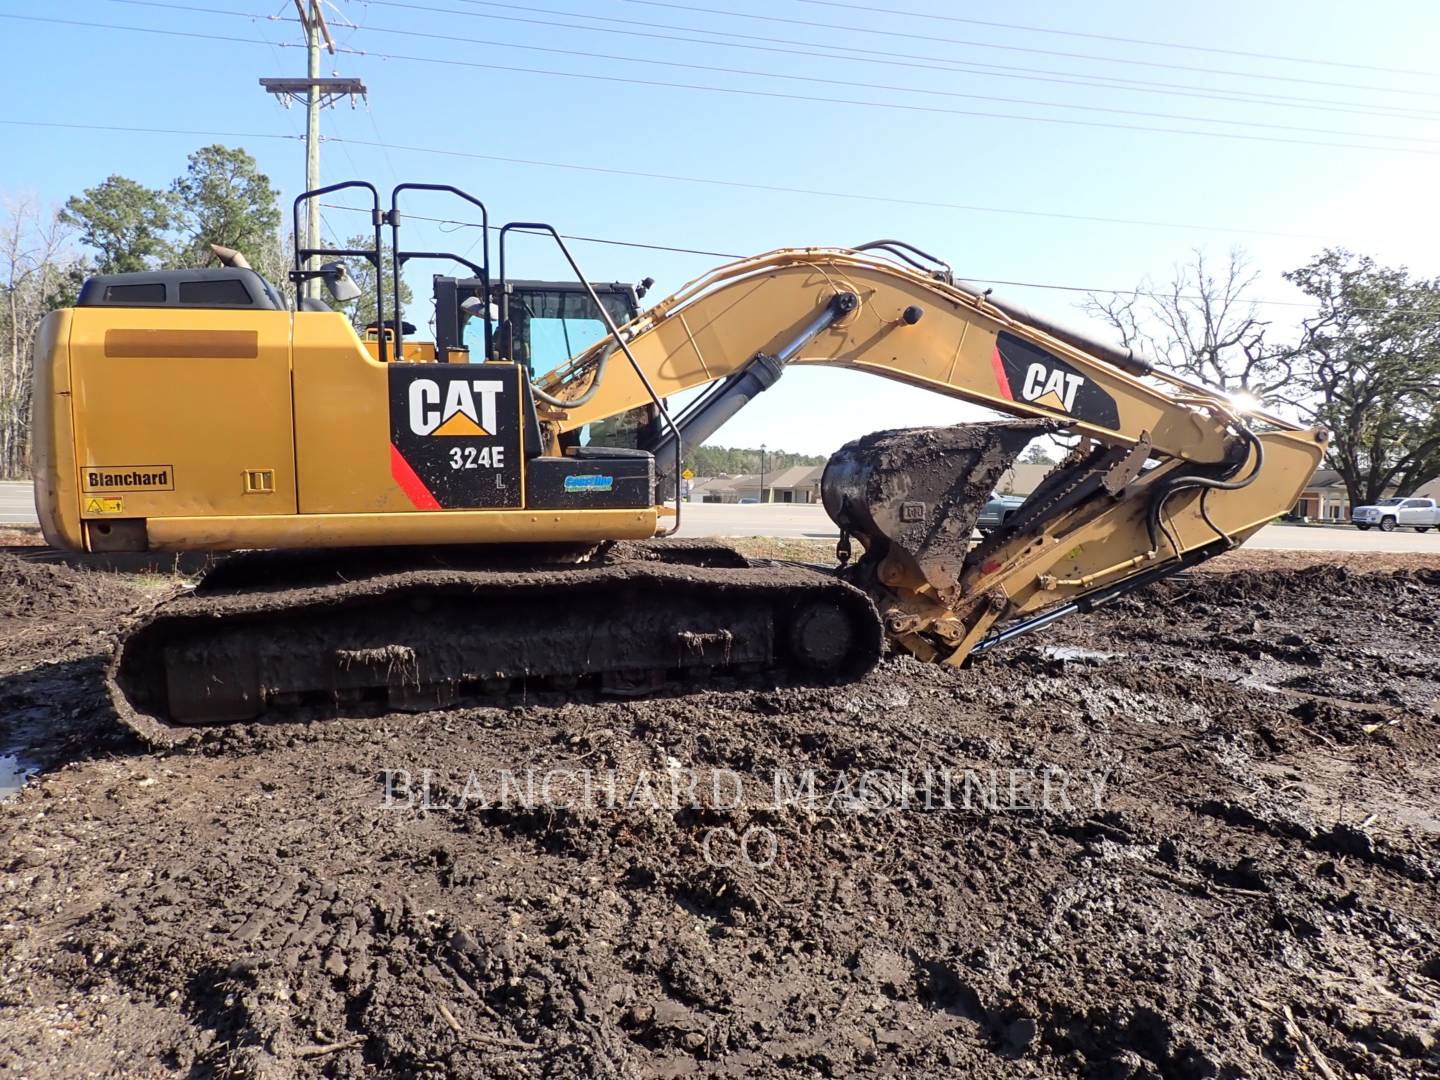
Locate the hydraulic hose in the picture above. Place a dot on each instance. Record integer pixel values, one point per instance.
(1153, 524)
(575, 403)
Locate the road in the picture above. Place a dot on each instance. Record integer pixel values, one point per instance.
(17, 503)
(810, 522)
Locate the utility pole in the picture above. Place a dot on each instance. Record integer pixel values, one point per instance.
(317, 93)
(312, 118)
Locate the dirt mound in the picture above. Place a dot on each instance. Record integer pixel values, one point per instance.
(1191, 835)
(30, 589)
(1284, 562)
(57, 625)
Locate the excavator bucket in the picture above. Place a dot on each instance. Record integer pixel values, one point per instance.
(912, 496)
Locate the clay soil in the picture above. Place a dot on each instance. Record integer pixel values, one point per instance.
(1194, 835)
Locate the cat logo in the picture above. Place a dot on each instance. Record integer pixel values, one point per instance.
(1051, 387)
(467, 409)
(1025, 372)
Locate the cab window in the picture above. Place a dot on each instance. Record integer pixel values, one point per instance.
(552, 325)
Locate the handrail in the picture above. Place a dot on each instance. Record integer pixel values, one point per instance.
(398, 258)
(303, 254)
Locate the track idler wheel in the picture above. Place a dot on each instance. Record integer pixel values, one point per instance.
(822, 636)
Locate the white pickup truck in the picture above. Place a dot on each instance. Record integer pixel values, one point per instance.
(1387, 515)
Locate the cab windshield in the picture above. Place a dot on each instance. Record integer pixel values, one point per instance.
(552, 324)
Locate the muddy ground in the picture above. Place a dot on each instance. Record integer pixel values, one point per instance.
(1195, 835)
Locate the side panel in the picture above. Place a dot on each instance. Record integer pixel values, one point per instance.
(182, 413)
(455, 435)
(342, 421)
(57, 501)
(376, 438)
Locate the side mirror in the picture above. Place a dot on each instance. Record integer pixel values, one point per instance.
(339, 283)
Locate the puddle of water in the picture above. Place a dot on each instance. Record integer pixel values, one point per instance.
(13, 774)
(1075, 652)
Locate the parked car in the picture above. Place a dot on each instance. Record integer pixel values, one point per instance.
(1422, 515)
(994, 513)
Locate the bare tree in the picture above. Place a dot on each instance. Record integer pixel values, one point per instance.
(38, 271)
(1203, 323)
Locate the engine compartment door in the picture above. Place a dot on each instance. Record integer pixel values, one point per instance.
(182, 413)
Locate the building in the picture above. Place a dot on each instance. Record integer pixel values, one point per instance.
(1022, 479)
(1324, 498)
(798, 484)
(724, 489)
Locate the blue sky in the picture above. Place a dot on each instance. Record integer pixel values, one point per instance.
(1275, 193)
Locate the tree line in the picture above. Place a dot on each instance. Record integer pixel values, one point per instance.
(1365, 361)
(121, 226)
(734, 461)
(118, 226)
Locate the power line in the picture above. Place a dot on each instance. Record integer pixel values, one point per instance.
(590, 54)
(564, 236)
(974, 279)
(772, 94)
(887, 59)
(890, 57)
(150, 130)
(929, 204)
(1024, 49)
(923, 61)
(708, 181)
(669, 247)
(889, 105)
(1126, 40)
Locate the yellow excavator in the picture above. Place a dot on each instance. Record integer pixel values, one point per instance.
(421, 523)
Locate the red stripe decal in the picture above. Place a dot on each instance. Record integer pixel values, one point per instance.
(999, 366)
(414, 488)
